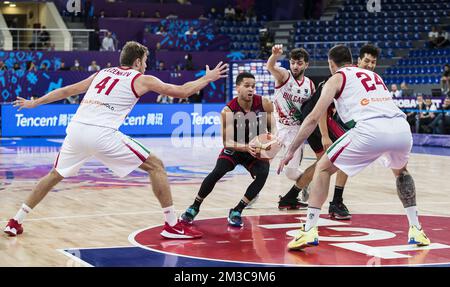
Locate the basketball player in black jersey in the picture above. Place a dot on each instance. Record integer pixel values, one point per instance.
(243, 118)
(332, 128)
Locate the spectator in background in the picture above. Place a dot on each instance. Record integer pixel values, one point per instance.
(108, 43)
(426, 116)
(442, 39)
(31, 66)
(183, 101)
(162, 99)
(157, 14)
(395, 93)
(161, 66)
(197, 97)
(141, 15)
(202, 17)
(190, 32)
(16, 66)
(3, 66)
(102, 14)
(108, 65)
(44, 67)
(44, 38)
(406, 91)
(158, 47)
(76, 66)
(239, 13)
(63, 67)
(129, 14)
(93, 67)
(432, 36)
(412, 116)
(250, 16)
(229, 13)
(441, 122)
(51, 47)
(212, 13)
(161, 31)
(445, 80)
(189, 65)
(94, 40)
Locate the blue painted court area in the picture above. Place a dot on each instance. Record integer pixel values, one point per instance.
(139, 257)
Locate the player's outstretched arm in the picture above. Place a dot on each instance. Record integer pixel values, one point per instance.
(329, 91)
(145, 83)
(55, 95)
(279, 73)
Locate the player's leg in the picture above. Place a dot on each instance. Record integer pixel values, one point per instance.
(290, 199)
(40, 190)
(260, 171)
(406, 191)
(319, 193)
(337, 208)
(69, 160)
(223, 166)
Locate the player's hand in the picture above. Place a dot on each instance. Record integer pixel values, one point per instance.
(251, 149)
(220, 71)
(326, 142)
(287, 158)
(277, 50)
(24, 103)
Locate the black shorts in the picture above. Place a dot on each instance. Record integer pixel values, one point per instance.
(336, 128)
(243, 158)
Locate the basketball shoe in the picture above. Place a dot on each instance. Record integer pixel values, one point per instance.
(304, 239)
(13, 228)
(417, 236)
(189, 215)
(235, 219)
(291, 203)
(339, 211)
(180, 231)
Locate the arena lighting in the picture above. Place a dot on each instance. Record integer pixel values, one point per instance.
(6, 2)
(12, 5)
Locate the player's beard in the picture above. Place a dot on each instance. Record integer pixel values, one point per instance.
(299, 74)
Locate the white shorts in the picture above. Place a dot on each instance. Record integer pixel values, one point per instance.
(115, 150)
(384, 138)
(286, 135)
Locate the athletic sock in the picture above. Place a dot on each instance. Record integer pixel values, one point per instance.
(170, 215)
(22, 213)
(312, 218)
(338, 191)
(293, 192)
(241, 205)
(413, 216)
(197, 202)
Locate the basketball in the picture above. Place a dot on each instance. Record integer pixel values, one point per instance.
(267, 146)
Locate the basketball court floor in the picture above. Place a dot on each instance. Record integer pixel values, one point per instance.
(98, 219)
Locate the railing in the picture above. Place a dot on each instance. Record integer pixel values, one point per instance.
(53, 40)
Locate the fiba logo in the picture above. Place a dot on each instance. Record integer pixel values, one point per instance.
(73, 6)
(373, 6)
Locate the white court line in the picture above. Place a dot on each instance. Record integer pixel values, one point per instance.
(271, 207)
(74, 258)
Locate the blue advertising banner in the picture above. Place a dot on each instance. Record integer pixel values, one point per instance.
(145, 119)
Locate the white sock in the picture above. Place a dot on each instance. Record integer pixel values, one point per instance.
(22, 213)
(312, 217)
(170, 215)
(413, 216)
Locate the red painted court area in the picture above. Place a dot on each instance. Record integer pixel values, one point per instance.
(368, 239)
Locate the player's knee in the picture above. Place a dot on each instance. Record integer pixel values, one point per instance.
(152, 164)
(55, 175)
(261, 171)
(293, 173)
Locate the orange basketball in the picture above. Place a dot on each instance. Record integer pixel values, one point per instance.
(267, 146)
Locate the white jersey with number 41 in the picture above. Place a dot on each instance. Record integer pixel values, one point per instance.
(109, 99)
